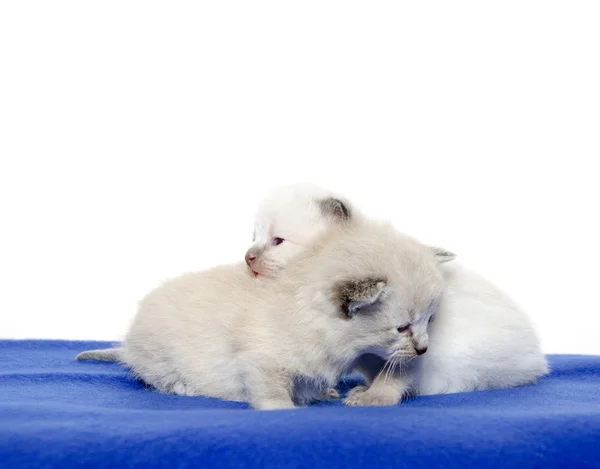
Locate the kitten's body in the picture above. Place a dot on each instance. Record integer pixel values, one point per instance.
(480, 339)
(221, 333)
(166, 342)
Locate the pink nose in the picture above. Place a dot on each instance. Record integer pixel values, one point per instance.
(250, 259)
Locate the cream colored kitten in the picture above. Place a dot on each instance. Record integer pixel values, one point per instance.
(287, 220)
(352, 291)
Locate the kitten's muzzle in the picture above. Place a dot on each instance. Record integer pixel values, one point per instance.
(252, 254)
(250, 258)
(421, 351)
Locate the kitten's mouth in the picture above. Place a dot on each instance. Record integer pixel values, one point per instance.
(262, 275)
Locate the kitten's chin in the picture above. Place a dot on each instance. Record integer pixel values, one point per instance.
(260, 274)
(253, 272)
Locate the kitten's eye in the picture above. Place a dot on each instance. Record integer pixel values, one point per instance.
(404, 328)
(431, 318)
(277, 241)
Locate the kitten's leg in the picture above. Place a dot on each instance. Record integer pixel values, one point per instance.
(388, 388)
(270, 390)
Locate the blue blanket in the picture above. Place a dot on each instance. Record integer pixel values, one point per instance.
(59, 413)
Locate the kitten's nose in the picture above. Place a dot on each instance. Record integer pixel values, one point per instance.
(421, 351)
(250, 259)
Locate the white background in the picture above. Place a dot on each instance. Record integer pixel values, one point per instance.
(137, 137)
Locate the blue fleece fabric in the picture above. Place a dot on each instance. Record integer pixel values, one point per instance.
(56, 412)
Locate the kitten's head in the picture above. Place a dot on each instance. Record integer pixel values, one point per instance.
(287, 220)
(380, 287)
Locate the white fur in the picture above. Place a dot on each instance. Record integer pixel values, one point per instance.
(480, 339)
(222, 333)
(292, 213)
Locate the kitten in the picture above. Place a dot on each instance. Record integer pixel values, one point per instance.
(479, 340)
(287, 219)
(220, 333)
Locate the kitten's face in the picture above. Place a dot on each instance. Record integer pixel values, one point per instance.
(392, 321)
(285, 223)
(383, 288)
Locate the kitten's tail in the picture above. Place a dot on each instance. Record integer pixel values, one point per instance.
(102, 355)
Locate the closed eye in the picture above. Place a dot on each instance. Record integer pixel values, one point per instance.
(404, 328)
(277, 241)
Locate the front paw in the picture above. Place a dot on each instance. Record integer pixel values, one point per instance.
(331, 394)
(364, 396)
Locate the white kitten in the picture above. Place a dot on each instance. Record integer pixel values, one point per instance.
(223, 334)
(479, 340)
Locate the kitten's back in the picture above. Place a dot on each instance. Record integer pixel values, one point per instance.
(481, 339)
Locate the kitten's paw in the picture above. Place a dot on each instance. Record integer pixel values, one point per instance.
(364, 396)
(353, 396)
(331, 394)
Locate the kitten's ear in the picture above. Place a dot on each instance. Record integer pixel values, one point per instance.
(355, 295)
(442, 255)
(335, 209)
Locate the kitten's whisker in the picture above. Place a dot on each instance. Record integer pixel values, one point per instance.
(385, 370)
(387, 367)
(390, 364)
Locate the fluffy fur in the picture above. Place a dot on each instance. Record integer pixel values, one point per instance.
(480, 339)
(275, 344)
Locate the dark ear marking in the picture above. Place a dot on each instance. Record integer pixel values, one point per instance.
(335, 209)
(442, 255)
(354, 295)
